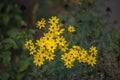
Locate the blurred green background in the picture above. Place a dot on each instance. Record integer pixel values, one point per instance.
(17, 23)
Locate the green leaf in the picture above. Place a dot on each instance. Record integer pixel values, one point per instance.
(24, 64)
(6, 19)
(9, 43)
(31, 31)
(20, 76)
(13, 33)
(6, 56)
(4, 75)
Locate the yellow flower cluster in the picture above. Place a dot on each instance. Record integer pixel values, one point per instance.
(82, 55)
(46, 47)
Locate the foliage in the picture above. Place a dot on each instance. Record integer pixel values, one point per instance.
(89, 25)
(14, 62)
(46, 47)
(89, 31)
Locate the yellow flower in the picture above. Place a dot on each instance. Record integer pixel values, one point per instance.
(42, 52)
(40, 43)
(51, 45)
(68, 60)
(28, 44)
(48, 36)
(71, 29)
(38, 59)
(56, 30)
(76, 47)
(64, 57)
(53, 28)
(41, 23)
(93, 51)
(82, 55)
(59, 31)
(50, 56)
(32, 50)
(64, 48)
(67, 57)
(73, 53)
(91, 60)
(61, 40)
(53, 20)
(68, 64)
